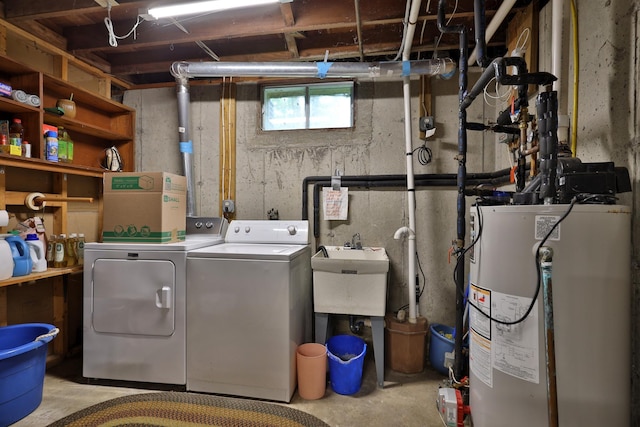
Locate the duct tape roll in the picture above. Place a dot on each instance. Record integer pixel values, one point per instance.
(33, 100)
(30, 201)
(4, 218)
(19, 95)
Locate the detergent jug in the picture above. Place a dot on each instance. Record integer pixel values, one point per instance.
(37, 253)
(6, 259)
(21, 255)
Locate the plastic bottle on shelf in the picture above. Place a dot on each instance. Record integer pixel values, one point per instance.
(26, 149)
(51, 145)
(59, 256)
(37, 252)
(16, 133)
(51, 250)
(63, 138)
(70, 250)
(65, 146)
(80, 249)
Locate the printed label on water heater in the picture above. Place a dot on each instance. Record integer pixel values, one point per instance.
(515, 349)
(544, 224)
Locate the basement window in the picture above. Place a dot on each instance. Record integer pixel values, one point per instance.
(309, 106)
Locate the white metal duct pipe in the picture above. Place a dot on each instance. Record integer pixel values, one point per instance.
(411, 195)
(395, 69)
(496, 21)
(186, 145)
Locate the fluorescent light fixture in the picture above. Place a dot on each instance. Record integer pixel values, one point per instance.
(206, 7)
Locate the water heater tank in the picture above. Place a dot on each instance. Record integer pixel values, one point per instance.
(591, 285)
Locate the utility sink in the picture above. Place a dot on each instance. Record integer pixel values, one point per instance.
(350, 281)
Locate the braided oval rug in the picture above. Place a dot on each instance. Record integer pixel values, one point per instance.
(187, 409)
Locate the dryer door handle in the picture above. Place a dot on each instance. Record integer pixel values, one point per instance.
(163, 297)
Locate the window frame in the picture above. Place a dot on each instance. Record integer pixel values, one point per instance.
(307, 108)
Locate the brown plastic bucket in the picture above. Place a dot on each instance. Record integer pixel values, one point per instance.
(311, 361)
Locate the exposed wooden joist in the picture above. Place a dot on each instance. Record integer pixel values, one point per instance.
(287, 14)
(292, 45)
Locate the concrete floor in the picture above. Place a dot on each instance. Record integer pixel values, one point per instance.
(406, 400)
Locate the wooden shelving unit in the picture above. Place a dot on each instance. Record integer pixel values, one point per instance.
(100, 123)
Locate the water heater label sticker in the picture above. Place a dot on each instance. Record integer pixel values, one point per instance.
(515, 347)
(481, 300)
(543, 225)
(480, 358)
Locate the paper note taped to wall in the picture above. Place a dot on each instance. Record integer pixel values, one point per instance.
(335, 204)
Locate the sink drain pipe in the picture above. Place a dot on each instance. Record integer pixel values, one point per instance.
(183, 71)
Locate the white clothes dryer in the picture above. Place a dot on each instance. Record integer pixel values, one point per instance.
(249, 306)
(134, 306)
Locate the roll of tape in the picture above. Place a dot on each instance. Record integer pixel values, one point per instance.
(19, 95)
(30, 202)
(4, 218)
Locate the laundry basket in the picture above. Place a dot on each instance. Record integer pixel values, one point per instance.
(23, 354)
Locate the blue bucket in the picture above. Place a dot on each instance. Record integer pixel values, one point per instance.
(439, 345)
(346, 359)
(23, 356)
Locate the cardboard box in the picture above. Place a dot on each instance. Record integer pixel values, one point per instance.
(144, 207)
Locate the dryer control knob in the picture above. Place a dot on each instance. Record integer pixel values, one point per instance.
(236, 229)
(292, 230)
(209, 224)
(198, 224)
(247, 229)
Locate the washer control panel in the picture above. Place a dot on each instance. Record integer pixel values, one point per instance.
(268, 231)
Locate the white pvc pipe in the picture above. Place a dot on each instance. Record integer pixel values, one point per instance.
(501, 13)
(411, 195)
(557, 15)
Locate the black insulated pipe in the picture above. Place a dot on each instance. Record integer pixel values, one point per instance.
(480, 31)
(498, 69)
(461, 181)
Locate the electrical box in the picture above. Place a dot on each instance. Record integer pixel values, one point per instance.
(228, 206)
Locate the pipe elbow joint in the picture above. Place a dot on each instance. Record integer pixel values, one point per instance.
(404, 231)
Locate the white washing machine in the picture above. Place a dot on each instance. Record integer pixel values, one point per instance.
(249, 306)
(134, 316)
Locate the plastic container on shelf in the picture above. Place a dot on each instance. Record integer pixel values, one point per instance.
(16, 136)
(6, 260)
(51, 145)
(80, 248)
(37, 252)
(70, 250)
(51, 250)
(65, 146)
(21, 256)
(59, 259)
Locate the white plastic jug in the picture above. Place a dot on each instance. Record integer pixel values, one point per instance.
(6, 260)
(38, 253)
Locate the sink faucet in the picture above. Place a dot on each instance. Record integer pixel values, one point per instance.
(355, 241)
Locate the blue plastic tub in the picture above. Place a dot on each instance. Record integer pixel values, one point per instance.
(346, 359)
(23, 356)
(439, 345)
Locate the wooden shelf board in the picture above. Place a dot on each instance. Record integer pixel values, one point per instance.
(51, 272)
(44, 165)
